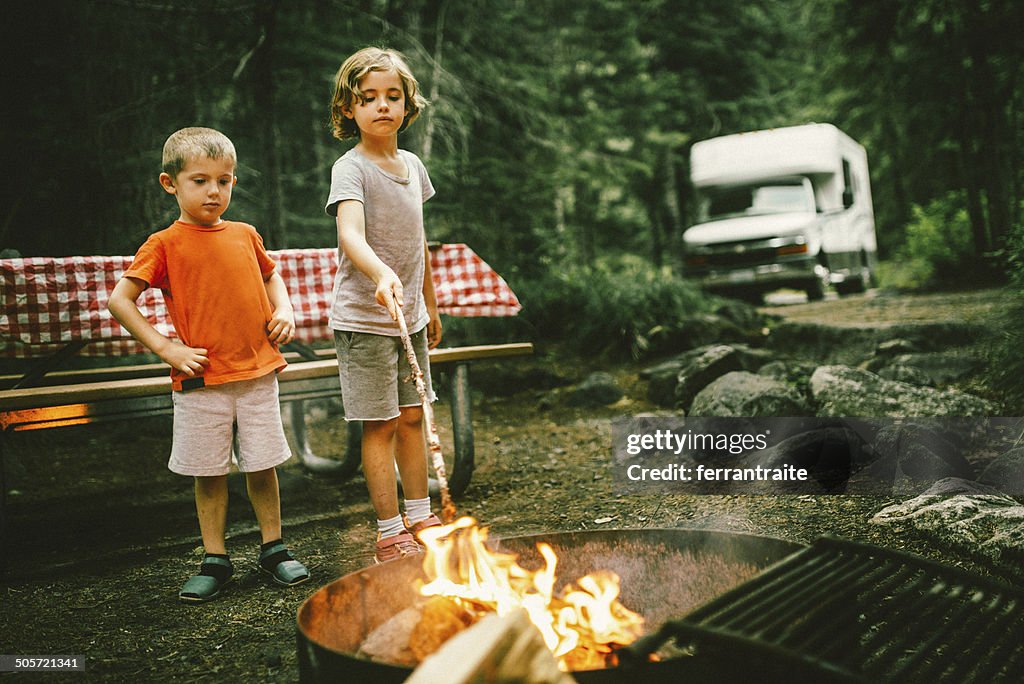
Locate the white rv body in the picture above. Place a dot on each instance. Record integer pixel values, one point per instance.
(784, 207)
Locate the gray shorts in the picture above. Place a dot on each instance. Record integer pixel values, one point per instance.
(203, 428)
(376, 378)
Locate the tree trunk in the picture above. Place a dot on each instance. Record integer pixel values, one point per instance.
(435, 80)
(673, 219)
(274, 230)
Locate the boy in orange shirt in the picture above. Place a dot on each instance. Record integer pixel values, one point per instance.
(230, 310)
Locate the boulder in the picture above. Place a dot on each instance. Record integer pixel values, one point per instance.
(886, 350)
(662, 378)
(913, 456)
(598, 389)
(941, 368)
(829, 454)
(966, 516)
(795, 373)
(934, 369)
(715, 362)
(846, 391)
(1006, 472)
(742, 393)
(907, 374)
(675, 382)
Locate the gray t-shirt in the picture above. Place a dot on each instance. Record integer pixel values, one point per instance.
(393, 208)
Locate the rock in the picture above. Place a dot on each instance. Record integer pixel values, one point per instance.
(907, 374)
(1006, 472)
(914, 452)
(695, 376)
(829, 454)
(846, 391)
(828, 344)
(935, 369)
(969, 517)
(598, 389)
(743, 315)
(745, 394)
(795, 373)
(662, 378)
(941, 368)
(675, 382)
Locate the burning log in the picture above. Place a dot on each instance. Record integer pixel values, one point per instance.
(389, 643)
(441, 620)
(496, 649)
(412, 634)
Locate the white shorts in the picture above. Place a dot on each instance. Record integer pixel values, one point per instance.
(204, 421)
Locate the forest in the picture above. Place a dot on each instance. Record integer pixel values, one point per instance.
(557, 133)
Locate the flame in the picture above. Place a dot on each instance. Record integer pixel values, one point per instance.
(581, 625)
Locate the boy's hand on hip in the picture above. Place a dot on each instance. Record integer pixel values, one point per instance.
(189, 360)
(389, 294)
(281, 328)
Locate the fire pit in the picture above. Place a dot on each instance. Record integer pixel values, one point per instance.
(664, 574)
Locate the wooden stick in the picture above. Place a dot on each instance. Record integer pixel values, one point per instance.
(448, 511)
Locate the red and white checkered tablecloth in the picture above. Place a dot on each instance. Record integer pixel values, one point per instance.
(49, 302)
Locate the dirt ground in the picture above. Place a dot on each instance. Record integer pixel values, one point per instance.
(102, 536)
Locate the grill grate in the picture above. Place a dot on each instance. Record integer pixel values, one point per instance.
(845, 611)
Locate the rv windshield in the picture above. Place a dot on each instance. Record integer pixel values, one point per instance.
(793, 195)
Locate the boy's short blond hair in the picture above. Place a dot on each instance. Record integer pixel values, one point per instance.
(346, 88)
(191, 143)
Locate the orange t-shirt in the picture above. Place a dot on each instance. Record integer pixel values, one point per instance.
(212, 279)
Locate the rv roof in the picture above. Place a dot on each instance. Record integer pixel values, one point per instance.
(758, 155)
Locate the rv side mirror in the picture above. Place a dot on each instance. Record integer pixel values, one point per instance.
(847, 198)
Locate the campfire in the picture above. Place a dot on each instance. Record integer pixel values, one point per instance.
(582, 624)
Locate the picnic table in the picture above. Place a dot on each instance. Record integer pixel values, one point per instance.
(54, 308)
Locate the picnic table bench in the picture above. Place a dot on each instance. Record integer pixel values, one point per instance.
(56, 308)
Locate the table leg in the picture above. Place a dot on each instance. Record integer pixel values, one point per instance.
(43, 366)
(462, 431)
(318, 464)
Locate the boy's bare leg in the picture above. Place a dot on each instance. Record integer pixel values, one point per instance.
(265, 496)
(212, 509)
(378, 466)
(411, 453)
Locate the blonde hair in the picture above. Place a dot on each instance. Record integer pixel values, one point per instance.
(347, 92)
(191, 143)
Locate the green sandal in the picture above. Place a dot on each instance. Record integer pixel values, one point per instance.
(284, 569)
(202, 587)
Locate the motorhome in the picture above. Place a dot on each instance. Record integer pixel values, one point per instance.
(781, 208)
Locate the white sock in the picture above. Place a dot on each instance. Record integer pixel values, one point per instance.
(417, 509)
(391, 527)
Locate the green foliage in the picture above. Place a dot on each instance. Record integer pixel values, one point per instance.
(1005, 374)
(937, 248)
(615, 308)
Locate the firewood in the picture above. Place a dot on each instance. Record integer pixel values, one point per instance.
(389, 642)
(442, 619)
(496, 649)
